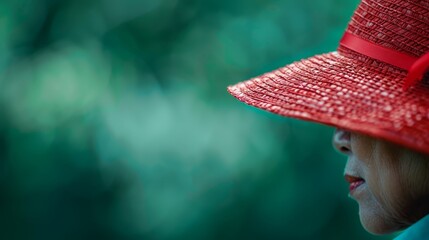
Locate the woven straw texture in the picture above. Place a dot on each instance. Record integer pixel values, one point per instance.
(352, 91)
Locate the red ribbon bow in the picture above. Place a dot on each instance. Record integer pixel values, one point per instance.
(416, 67)
(417, 71)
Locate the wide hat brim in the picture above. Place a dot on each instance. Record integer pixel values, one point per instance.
(341, 90)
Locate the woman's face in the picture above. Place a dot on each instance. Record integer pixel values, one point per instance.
(388, 181)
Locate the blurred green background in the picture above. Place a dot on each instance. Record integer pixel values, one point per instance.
(115, 122)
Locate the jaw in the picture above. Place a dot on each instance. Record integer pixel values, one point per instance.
(374, 217)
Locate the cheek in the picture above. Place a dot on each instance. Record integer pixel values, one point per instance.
(389, 192)
(386, 184)
(377, 211)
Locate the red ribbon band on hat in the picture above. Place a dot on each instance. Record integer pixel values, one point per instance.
(416, 67)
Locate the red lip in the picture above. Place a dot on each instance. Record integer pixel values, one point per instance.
(355, 182)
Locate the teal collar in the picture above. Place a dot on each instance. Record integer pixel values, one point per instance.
(417, 231)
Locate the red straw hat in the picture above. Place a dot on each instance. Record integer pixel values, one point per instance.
(375, 83)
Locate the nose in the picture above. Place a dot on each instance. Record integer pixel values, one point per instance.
(341, 141)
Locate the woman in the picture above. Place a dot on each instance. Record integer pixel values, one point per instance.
(390, 182)
(375, 90)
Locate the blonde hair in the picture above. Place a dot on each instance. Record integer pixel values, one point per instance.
(411, 168)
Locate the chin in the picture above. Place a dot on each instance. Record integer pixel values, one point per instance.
(376, 223)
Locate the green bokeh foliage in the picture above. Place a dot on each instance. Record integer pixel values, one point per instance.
(115, 122)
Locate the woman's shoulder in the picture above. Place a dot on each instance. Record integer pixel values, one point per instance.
(417, 231)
